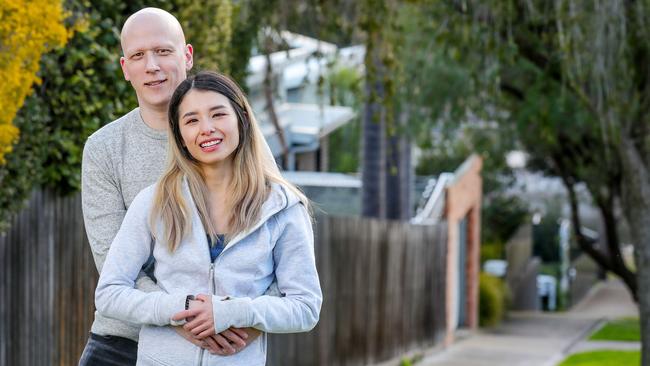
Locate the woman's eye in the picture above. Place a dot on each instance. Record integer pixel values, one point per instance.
(216, 115)
(190, 121)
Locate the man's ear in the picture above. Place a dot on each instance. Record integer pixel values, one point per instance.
(189, 56)
(126, 73)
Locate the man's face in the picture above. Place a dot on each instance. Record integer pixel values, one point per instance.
(155, 61)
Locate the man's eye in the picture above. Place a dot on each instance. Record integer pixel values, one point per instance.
(164, 51)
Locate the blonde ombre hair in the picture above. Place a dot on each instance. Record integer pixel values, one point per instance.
(254, 170)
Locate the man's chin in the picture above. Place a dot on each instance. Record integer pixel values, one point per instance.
(160, 102)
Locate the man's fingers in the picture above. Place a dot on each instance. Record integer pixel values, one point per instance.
(241, 333)
(234, 338)
(212, 345)
(223, 342)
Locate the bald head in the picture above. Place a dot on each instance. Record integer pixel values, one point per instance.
(151, 17)
(155, 57)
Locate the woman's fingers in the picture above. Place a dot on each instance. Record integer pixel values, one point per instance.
(204, 297)
(206, 333)
(200, 329)
(185, 314)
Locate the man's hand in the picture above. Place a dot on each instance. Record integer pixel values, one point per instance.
(215, 344)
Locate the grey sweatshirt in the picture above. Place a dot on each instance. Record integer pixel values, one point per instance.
(279, 246)
(119, 160)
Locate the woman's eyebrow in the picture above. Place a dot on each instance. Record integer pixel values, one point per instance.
(192, 113)
(220, 106)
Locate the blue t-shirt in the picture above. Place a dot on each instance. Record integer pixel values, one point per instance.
(217, 247)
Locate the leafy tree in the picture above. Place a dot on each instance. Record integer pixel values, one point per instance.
(82, 88)
(28, 30)
(575, 77)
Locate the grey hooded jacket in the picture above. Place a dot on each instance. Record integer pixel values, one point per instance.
(279, 246)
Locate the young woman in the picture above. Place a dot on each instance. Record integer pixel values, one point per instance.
(222, 224)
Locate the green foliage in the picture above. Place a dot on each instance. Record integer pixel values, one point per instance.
(78, 94)
(501, 216)
(208, 27)
(546, 239)
(83, 88)
(492, 300)
(492, 250)
(603, 358)
(624, 329)
(344, 144)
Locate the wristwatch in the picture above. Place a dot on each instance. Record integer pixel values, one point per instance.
(187, 301)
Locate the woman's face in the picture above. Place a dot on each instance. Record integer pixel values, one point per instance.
(208, 126)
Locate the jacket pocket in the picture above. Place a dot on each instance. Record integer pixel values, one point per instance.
(147, 360)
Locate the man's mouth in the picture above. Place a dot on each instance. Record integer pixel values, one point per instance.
(155, 83)
(210, 143)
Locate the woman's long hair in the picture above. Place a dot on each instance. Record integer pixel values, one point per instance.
(253, 170)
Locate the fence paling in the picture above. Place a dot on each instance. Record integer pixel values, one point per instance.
(383, 284)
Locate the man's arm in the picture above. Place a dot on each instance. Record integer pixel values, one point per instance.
(103, 206)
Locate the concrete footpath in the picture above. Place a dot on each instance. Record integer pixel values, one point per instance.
(541, 339)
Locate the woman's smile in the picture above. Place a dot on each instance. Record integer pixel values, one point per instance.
(208, 126)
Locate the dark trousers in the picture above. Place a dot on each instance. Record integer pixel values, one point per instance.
(109, 351)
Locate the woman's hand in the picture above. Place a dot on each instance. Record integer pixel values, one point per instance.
(199, 316)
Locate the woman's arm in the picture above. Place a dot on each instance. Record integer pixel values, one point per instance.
(116, 296)
(297, 310)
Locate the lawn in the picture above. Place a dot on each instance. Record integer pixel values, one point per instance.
(604, 358)
(625, 329)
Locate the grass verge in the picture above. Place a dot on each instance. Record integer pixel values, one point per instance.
(604, 358)
(625, 329)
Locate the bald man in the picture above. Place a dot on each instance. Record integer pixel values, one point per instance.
(127, 155)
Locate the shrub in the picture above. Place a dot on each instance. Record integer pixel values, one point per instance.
(28, 30)
(492, 250)
(492, 300)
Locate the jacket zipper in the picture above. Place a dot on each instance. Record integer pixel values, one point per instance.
(211, 287)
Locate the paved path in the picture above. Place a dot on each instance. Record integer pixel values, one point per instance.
(539, 339)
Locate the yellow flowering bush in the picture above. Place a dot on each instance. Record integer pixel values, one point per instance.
(28, 29)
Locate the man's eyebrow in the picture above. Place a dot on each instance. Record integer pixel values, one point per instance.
(131, 52)
(193, 113)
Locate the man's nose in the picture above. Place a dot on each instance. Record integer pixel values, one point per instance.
(152, 63)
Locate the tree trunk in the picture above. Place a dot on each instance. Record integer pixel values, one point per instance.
(617, 264)
(373, 158)
(398, 177)
(270, 104)
(636, 205)
(373, 128)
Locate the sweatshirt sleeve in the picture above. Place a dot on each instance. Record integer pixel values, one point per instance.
(103, 206)
(298, 309)
(116, 296)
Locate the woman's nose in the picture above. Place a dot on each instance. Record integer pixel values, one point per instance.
(206, 127)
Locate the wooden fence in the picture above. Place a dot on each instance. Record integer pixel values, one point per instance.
(383, 284)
